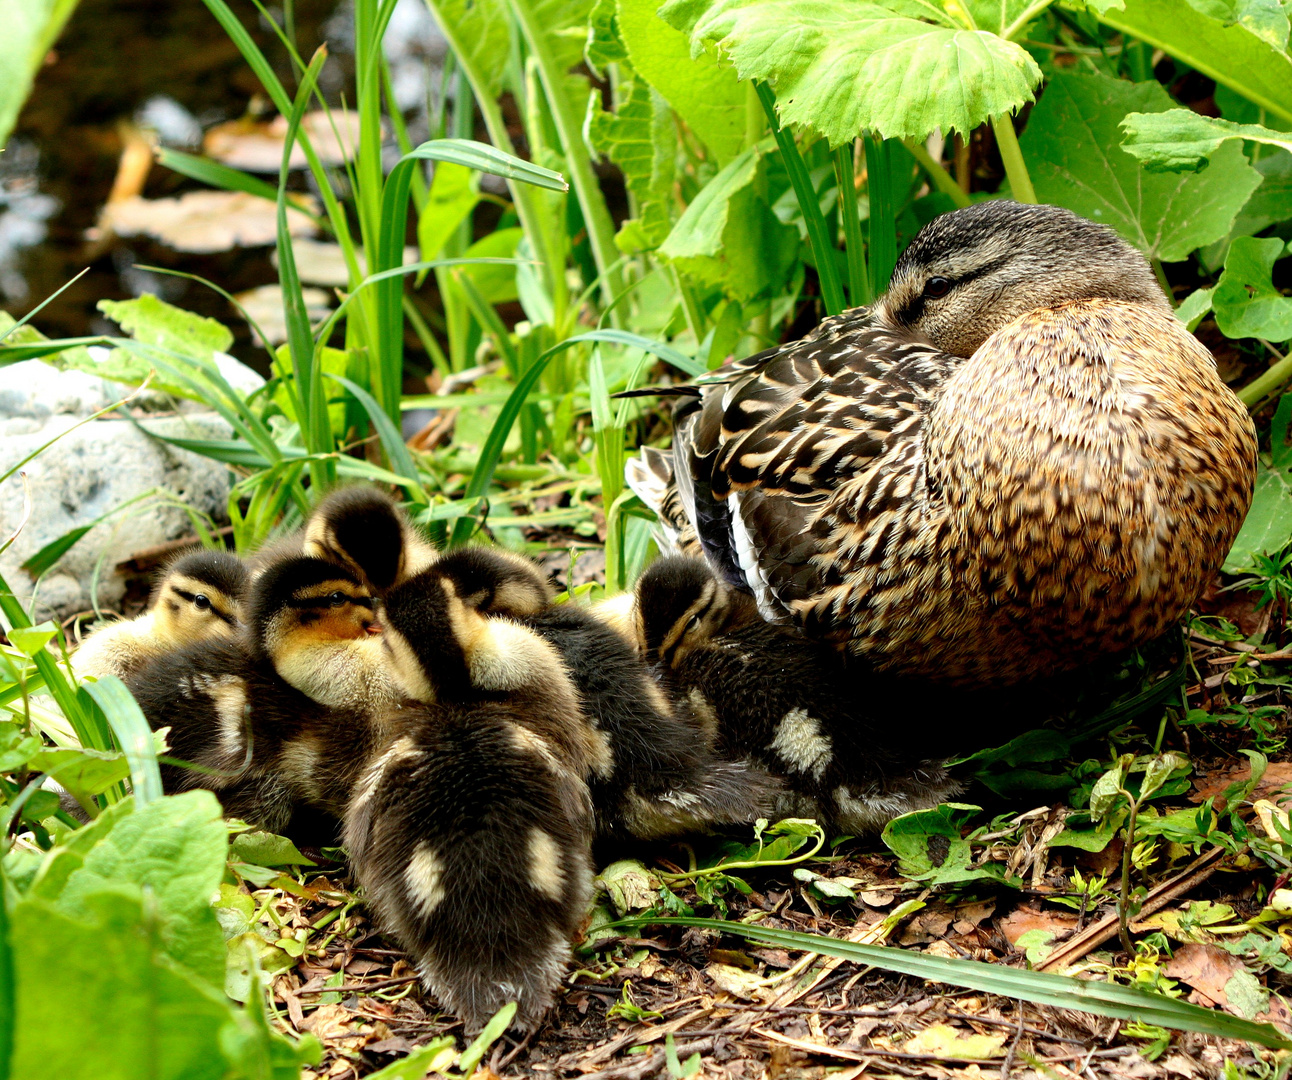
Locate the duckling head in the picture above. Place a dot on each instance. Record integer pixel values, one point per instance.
(301, 604)
(363, 530)
(199, 597)
(495, 581)
(681, 605)
(968, 273)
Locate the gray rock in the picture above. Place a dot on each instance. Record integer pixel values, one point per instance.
(34, 390)
(92, 470)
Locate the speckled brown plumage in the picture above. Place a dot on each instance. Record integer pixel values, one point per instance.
(1016, 462)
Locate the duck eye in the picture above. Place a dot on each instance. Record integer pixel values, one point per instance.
(202, 602)
(338, 598)
(936, 287)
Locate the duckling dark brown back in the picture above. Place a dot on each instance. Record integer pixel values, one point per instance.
(790, 704)
(664, 779)
(471, 832)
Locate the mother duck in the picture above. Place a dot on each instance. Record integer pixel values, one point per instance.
(1015, 462)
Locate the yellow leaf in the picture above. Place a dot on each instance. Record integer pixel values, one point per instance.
(944, 1041)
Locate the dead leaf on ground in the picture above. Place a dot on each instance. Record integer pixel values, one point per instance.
(264, 305)
(1220, 978)
(1024, 918)
(737, 982)
(1278, 774)
(203, 221)
(254, 146)
(944, 1041)
(321, 263)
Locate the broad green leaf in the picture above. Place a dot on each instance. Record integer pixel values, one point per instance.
(640, 137)
(1193, 309)
(604, 45)
(1108, 788)
(1180, 140)
(330, 362)
(1272, 201)
(29, 640)
(495, 283)
(728, 236)
(45, 559)
(455, 190)
(435, 1057)
(481, 32)
(175, 849)
(84, 773)
(930, 848)
(1158, 769)
(1071, 148)
(1265, 18)
(30, 28)
(267, 849)
(842, 67)
(1232, 55)
(702, 90)
(155, 322)
(1245, 300)
(1268, 525)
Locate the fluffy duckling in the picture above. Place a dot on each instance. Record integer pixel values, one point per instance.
(264, 745)
(663, 779)
(769, 693)
(197, 599)
(1015, 463)
(364, 530)
(471, 832)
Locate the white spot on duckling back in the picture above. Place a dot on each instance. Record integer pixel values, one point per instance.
(545, 872)
(229, 693)
(402, 749)
(801, 745)
(424, 879)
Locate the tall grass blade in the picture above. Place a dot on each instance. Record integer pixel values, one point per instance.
(883, 213)
(822, 249)
(858, 279)
(227, 179)
(132, 734)
(392, 442)
(8, 999)
(1041, 988)
(44, 304)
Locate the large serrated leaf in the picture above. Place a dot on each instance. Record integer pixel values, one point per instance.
(1268, 526)
(1180, 140)
(480, 31)
(30, 27)
(1071, 146)
(1245, 300)
(842, 67)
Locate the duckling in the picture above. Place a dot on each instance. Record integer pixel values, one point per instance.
(663, 778)
(471, 832)
(1016, 462)
(265, 746)
(198, 598)
(365, 531)
(788, 702)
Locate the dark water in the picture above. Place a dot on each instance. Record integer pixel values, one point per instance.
(112, 59)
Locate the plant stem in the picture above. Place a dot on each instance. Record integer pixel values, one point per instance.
(1263, 386)
(823, 251)
(755, 120)
(883, 217)
(601, 229)
(858, 280)
(941, 179)
(1011, 155)
(1123, 900)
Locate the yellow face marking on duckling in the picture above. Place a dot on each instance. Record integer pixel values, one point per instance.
(424, 876)
(188, 610)
(620, 614)
(545, 872)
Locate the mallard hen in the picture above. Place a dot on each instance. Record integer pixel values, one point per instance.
(1015, 462)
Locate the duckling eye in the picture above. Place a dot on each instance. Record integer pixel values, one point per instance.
(202, 602)
(936, 287)
(337, 598)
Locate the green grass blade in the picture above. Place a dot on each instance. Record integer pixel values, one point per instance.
(1040, 988)
(883, 217)
(858, 279)
(8, 1000)
(397, 452)
(222, 176)
(132, 734)
(826, 268)
(44, 303)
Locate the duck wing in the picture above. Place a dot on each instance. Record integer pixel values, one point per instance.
(758, 454)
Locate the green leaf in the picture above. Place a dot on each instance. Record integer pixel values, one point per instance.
(1245, 300)
(455, 190)
(1268, 526)
(267, 849)
(1194, 308)
(728, 236)
(496, 283)
(1232, 55)
(1041, 988)
(604, 45)
(1264, 18)
(84, 773)
(842, 67)
(640, 137)
(29, 640)
(435, 1057)
(1158, 769)
(480, 30)
(701, 89)
(930, 847)
(174, 849)
(1071, 148)
(30, 28)
(1108, 788)
(130, 730)
(1180, 140)
(155, 322)
(47, 557)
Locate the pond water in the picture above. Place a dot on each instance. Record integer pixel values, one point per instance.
(165, 66)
